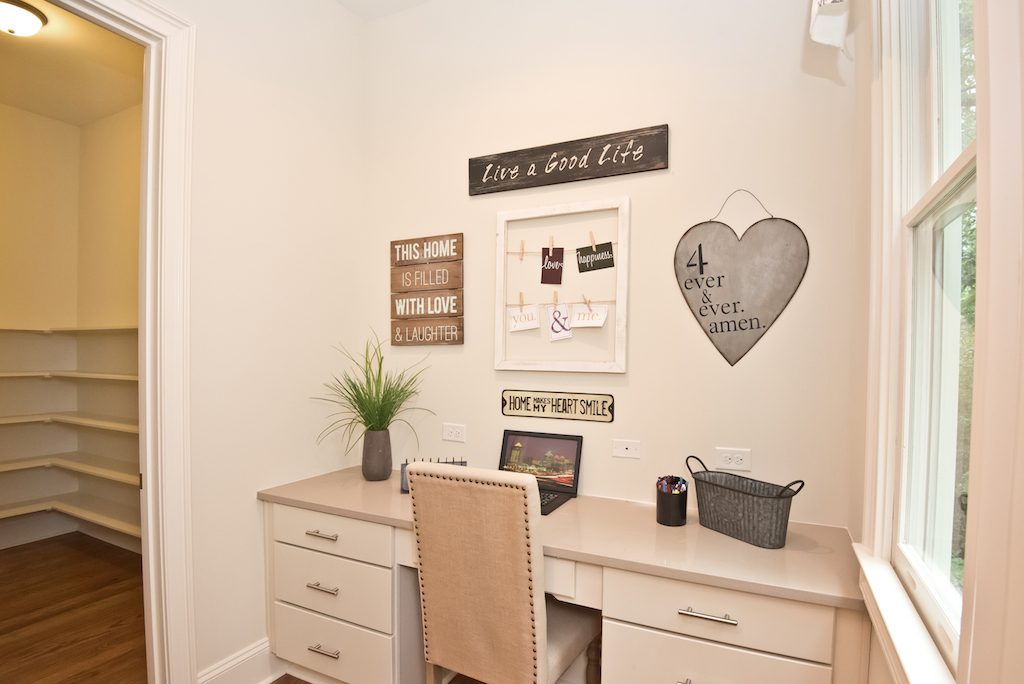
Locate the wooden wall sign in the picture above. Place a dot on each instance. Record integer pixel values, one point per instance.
(736, 287)
(426, 290)
(642, 149)
(596, 408)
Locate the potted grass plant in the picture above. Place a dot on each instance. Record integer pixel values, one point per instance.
(370, 400)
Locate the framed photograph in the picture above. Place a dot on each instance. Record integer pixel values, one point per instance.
(562, 287)
(553, 459)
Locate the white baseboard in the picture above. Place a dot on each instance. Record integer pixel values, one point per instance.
(254, 663)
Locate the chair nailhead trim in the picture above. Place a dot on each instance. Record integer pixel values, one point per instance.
(529, 556)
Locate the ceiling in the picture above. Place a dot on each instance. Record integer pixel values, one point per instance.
(72, 70)
(373, 9)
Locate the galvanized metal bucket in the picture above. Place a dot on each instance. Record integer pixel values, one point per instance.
(750, 510)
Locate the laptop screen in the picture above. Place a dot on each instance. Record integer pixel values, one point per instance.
(553, 459)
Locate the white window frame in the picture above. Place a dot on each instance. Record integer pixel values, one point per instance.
(938, 605)
(992, 593)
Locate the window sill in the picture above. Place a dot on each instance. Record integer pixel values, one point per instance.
(909, 650)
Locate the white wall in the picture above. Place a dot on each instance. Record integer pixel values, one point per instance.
(275, 200)
(38, 220)
(750, 103)
(312, 149)
(108, 221)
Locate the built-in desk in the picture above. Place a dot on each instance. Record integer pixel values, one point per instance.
(799, 610)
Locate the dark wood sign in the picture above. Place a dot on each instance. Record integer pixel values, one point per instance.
(447, 275)
(426, 304)
(427, 250)
(426, 290)
(642, 149)
(597, 408)
(427, 331)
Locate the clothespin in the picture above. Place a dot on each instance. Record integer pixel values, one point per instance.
(587, 302)
(551, 243)
(593, 242)
(522, 249)
(520, 302)
(554, 297)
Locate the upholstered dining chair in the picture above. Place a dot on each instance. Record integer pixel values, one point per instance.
(481, 570)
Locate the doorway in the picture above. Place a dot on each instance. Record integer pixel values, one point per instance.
(163, 323)
(70, 506)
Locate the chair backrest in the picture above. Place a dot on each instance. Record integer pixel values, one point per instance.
(481, 572)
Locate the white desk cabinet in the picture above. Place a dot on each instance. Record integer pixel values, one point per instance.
(678, 603)
(332, 588)
(789, 642)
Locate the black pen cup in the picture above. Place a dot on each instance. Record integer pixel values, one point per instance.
(671, 501)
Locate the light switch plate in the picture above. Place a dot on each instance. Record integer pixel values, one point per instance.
(626, 448)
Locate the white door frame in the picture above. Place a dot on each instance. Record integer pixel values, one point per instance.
(163, 325)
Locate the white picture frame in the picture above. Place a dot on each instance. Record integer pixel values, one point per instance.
(517, 281)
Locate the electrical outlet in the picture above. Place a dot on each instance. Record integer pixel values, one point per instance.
(626, 448)
(453, 432)
(730, 458)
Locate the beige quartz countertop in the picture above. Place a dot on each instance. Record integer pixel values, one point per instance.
(817, 564)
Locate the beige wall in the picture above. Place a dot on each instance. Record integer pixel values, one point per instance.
(276, 186)
(38, 220)
(750, 103)
(313, 149)
(108, 221)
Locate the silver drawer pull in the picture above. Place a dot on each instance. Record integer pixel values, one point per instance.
(322, 535)
(725, 620)
(316, 585)
(322, 651)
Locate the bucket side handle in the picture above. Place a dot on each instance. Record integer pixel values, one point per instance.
(796, 490)
(688, 467)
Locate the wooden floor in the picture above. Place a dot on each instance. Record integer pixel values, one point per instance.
(71, 611)
(288, 679)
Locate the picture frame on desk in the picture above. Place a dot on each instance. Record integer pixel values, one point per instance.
(553, 458)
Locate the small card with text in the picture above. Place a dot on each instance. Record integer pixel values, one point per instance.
(593, 316)
(523, 318)
(559, 321)
(551, 265)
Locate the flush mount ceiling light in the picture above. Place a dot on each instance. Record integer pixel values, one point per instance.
(20, 19)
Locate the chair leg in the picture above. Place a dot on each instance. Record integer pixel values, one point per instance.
(594, 661)
(435, 674)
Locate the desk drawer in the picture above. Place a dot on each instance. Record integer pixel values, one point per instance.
(640, 654)
(793, 628)
(334, 534)
(345, 589)
(346, 652)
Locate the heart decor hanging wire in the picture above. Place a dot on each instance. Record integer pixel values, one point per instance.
(736, 287)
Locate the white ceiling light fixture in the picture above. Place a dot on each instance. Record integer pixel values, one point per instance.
(20, 19)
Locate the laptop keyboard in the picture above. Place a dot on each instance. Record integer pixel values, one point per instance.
(547, 497)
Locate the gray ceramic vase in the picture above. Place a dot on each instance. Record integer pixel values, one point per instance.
(376, 455)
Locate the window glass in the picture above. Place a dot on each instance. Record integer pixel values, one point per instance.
(937, 464)
(956, 90)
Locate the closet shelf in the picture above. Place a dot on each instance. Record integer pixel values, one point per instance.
(82, 506)
(75, 418)
(88, 464)
(72, 330)
(71, 375)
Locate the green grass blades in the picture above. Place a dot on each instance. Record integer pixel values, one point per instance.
(367, 397)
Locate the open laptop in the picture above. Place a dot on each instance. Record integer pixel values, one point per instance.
(553, 459)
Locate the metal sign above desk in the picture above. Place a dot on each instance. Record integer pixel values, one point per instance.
(596, 408)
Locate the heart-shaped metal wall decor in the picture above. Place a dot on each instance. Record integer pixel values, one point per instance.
(737, 287)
